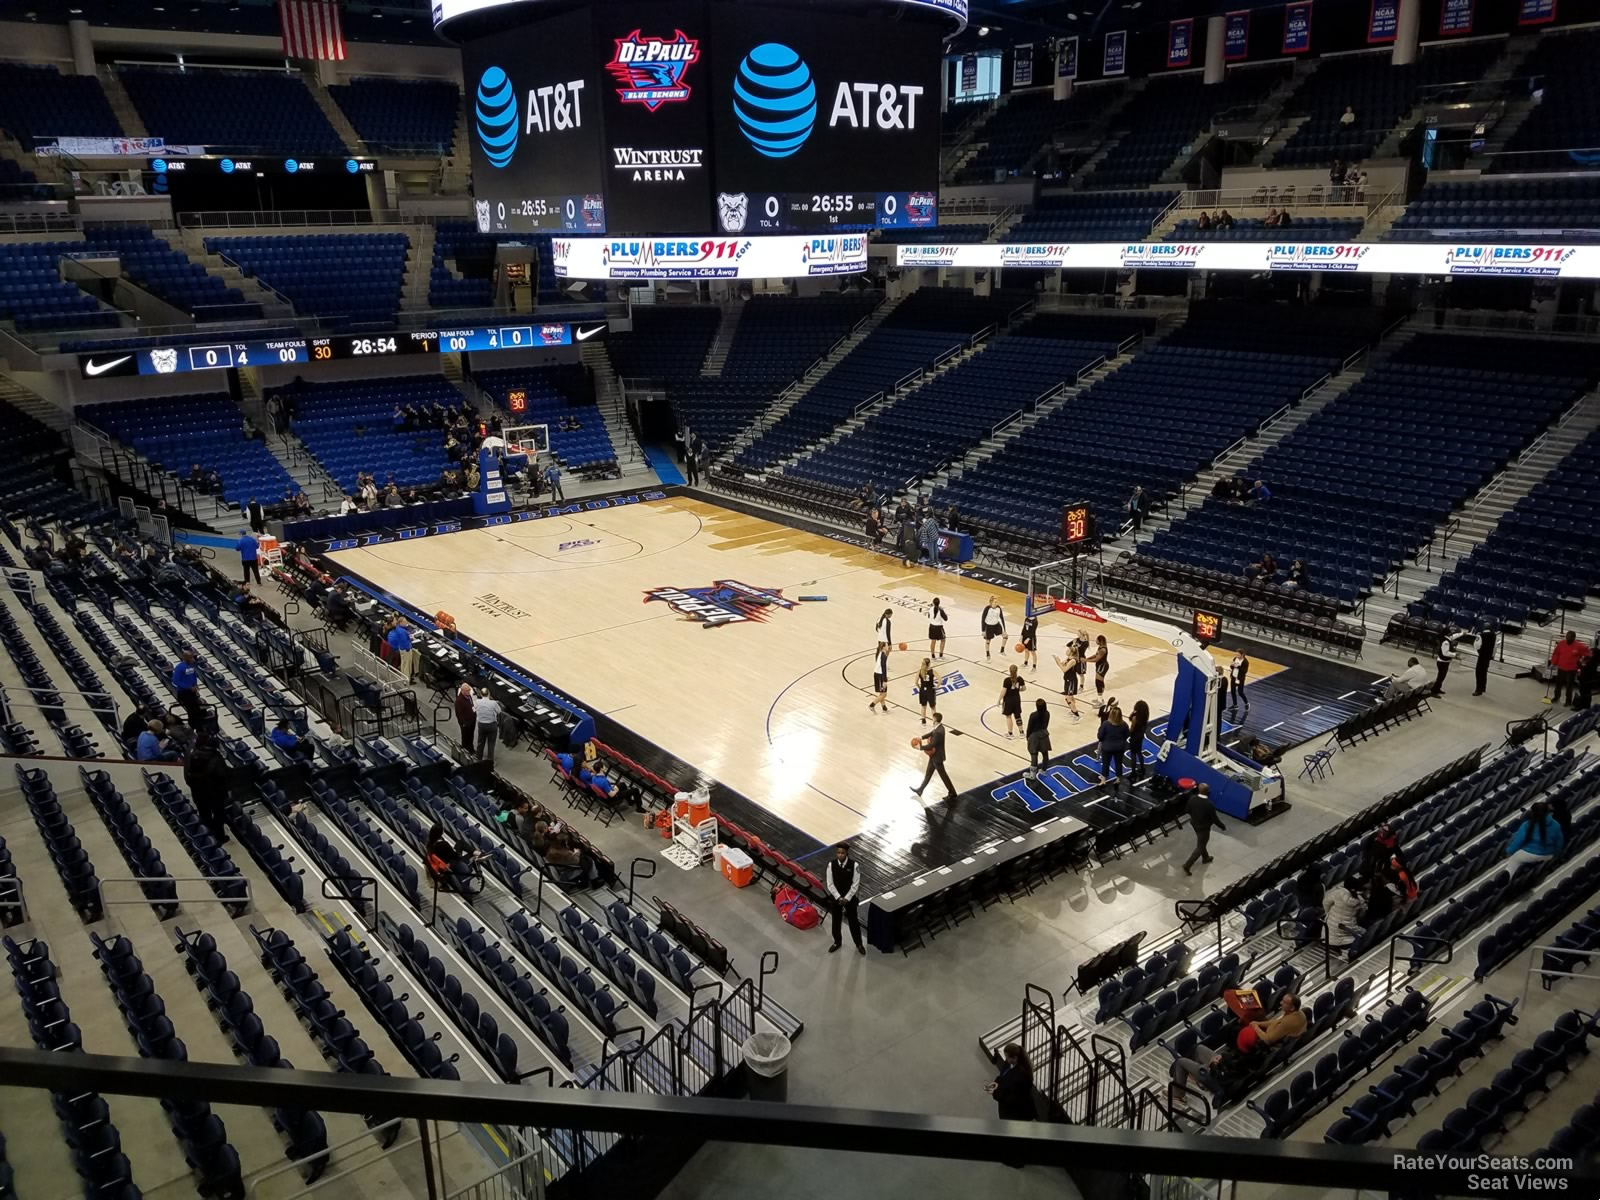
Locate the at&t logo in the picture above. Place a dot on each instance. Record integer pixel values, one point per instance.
(775, 102)
(496, 113)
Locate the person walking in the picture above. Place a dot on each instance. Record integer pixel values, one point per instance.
(844, 882)
(1486, 641)
(1038, 737)
(405, 655)
(993, 624)
(1138, 722)
(186, 688)
(486, 717)
(1138, 506)
(1238, 672)
(880, 679)
(928, 538)
(249, 554)
(1202, 819)
(1113, 738)
(256, 515)
(466, 717)
(207, 775)
(552, 479)
(1567, 658)
(932, 743)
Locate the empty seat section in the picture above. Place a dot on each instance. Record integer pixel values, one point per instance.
(265, 112)
(401, 116)
(1504, 210)
(39, 104)
(350, 427)
(1559, 132)
(350, 278)
(34, 296)
(1091, 217)
(1026, 124)
(168, 273)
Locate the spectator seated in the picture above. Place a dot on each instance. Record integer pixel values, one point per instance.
(401, 116)
(39, 104)
(555, 395)
(176, 432)
(168, 273)
(1503, 210)
(349, 427)
(1092, 217)
(267, 112)
(34, 296)
(1543, 557)
(353, 278)
(1379, 93)
(1360, 486)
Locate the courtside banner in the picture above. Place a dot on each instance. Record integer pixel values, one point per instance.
(712, 258)
(1536, 12)
(1297, 27)
(1022, 66)
(1236, 36)
(1383, 22)
(1116, 59)
(1180, 42)
(1455, 18)
(1067, 59)
(1441, 258)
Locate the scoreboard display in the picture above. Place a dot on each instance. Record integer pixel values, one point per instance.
(706, 116)
(1077, 524)
(1207, 626)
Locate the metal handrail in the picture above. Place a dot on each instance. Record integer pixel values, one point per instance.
(146, 880)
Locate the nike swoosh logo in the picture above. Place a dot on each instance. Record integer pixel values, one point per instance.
(92, 368)
(583, 335)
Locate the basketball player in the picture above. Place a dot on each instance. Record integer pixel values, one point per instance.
(1101, 662)
(1030, 642)
(933, 743)
(1238, 672)
(1011, 700)
(927, 688)
(883, 628)
(1071, 676)
(994, 626)
(936, 619)
(880, 678)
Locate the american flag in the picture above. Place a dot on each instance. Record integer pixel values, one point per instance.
(311, 29)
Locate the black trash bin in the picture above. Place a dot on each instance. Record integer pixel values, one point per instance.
(766, 1062)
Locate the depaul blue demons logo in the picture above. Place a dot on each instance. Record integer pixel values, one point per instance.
(1161, 254)
(725, 602)
(834, 255)
(1507, 260)
(651, 69)
(1316, 256)
(496, 114)
(922, 208)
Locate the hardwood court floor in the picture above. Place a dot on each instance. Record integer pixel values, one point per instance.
(774, 706)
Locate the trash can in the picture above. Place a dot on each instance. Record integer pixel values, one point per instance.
(766, 1060)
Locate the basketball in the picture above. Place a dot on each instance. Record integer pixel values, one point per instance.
(916, 743)
(1020, 647)
(903, 646)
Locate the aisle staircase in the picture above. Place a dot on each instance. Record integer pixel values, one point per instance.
(330, 109)
(790, 396)
(717, 352)
(613, 409)
(36, 406)
(121, 103)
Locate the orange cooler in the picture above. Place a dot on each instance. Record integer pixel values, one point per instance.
(737, 868)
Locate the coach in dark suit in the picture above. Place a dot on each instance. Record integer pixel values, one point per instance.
(1202, 819)
(256, 516)
(933, 743)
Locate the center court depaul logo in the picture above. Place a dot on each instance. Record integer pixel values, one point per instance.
(725, 602)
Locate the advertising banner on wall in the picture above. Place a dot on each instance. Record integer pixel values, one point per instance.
(1116, 59)
(708, 258)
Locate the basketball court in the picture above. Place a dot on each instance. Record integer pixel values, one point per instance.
(684, 623)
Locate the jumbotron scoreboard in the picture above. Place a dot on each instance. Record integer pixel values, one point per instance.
(719, 117)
